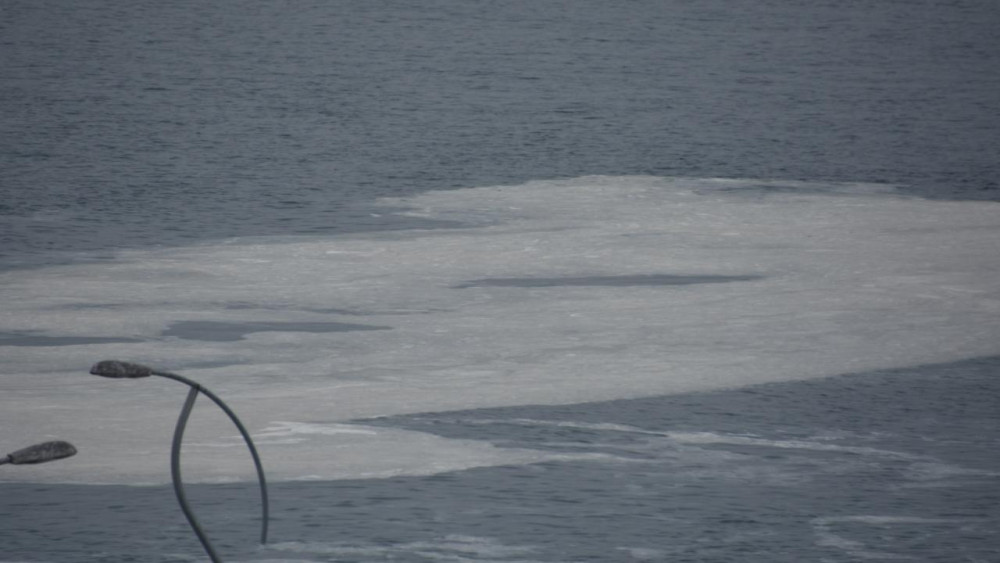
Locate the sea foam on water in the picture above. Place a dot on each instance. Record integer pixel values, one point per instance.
(550, 292)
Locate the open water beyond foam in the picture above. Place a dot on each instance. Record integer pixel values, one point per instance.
(168, 123)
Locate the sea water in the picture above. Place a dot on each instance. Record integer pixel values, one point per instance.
(663, 282)
(891, 465)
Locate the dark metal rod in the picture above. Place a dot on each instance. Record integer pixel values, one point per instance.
(246, 437)
(119, 370)
(175, 472)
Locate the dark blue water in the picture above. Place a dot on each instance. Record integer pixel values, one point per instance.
(159, 123)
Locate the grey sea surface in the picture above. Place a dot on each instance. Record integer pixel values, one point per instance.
(155, 123)
(148, 124)
(893, 465)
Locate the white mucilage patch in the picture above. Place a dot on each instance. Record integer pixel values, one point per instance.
(552, 292)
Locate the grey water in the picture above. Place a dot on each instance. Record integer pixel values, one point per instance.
(611, 281)
(165, 123)
(145, 124)
(899, 464)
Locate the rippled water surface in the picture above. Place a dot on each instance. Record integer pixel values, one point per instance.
(165, 123)
(883, 466)
(248, 142)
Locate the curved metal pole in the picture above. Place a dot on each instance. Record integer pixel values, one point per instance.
(195, 388)
(175, 472)
(127, 370)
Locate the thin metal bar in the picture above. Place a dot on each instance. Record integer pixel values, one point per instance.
(195, 386)
(175, 472)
